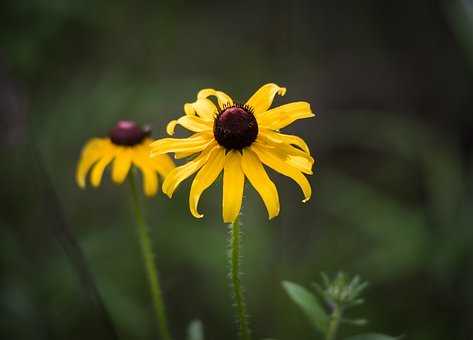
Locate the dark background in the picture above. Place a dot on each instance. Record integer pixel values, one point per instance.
(391, 84)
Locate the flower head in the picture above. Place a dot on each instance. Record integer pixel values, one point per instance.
(127, 145)
(238, 139)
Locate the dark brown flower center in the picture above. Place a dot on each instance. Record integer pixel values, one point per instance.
(235, 127)
(128, 133)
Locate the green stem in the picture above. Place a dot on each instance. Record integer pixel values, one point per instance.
(238, 295)
(334, 323)
(149, 261)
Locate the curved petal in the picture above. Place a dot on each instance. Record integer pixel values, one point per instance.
(90, 154)
(289, 154)
(279, 138)
(262, 99)
(233, 183)
(150, 177)
(177, 175)
(192, 123)
(259, 179)
(204, 108)
(171, 127)
(99, 167)
(205, 177)
(279, 144)
(284, 115)
(273, 161)
(222, 98)
(121, 164)
(195, 143)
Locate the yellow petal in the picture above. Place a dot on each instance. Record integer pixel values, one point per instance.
(205, 177)
(177, 175)
(302, 164)
(233, 183)
(163, 164)
(192, 123)
(150, 177)
(204, 108)
(273, 161)
(189, 109)
(262, 99)
(171, 127)
(90, 154)
(99, 167)
(280, 138)
(289, 154)
(121, 164)
(284, 115)
(180, 155)
(222, 98)
(194, 143)
(279, 144)
(259, 179)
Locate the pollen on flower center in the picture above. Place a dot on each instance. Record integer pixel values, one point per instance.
(128, 133)
(235, 127)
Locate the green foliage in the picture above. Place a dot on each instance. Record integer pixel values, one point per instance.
(339, 294)
(341, 291)
(309, 304)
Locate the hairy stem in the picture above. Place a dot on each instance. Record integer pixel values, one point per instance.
(149, 262)
(238, 296)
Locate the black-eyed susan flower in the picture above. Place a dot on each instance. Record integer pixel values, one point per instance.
(127, 145)
(238, 139)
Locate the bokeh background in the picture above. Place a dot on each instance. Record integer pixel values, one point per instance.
(391, 83)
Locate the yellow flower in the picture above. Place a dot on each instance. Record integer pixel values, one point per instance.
(238, 139)
(127, 145)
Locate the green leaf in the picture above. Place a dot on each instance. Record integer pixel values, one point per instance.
(372, 336)
(195, 330)
(309, 304)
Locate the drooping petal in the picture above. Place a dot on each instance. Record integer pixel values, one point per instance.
(302, 164)
(284, 115)
(99, 167)
(202, 107)
(205, 177)
(90, 154)
(233, 183)
(222, 98)
(150, 177)
(121, 164)
(195, 143)
(259, 179)
(177, 175)
(262, 99)
(192, 123)
(276, 163)
(291, 155)
(280, 138)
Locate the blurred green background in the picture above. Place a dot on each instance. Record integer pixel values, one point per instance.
(391, 83)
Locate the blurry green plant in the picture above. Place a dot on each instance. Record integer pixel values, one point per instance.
(338, 295)
(195, 330)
